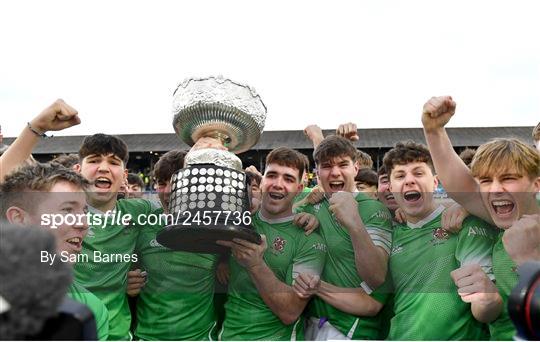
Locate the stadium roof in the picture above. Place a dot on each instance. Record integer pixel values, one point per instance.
(369, 138)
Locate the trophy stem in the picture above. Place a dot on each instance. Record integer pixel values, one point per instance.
(214, 132)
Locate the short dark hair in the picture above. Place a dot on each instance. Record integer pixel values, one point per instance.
(405, 152)
(285, 156)
(40, 177)
(382, 171)
(367, 176)
(467, 156)
(104, 144)
(168, 164)
(253, 177)
(334, 146)
(133, 178)
(67, 160)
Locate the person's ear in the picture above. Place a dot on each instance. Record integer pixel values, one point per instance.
(537, 184)
(17, 215)
(77, 168)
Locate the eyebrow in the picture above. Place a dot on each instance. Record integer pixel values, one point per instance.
(510, 174)
(70, 202)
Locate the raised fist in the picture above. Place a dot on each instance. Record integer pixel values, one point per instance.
(437, 112)
(56, 117)
(348, 130)
(314, 133)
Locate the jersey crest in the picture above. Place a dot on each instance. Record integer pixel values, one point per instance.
(439, 236)
(279, 244)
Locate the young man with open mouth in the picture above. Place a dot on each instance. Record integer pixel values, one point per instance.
(357, 232)
(261, 304)
(103, 160)
(31, 196)
(435, 274)
(500, 188)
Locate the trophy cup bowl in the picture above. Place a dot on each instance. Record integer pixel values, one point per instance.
(209, 197)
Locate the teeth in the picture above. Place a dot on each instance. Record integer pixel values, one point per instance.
(501, 203)
(74, 240)
(336, 183)
(101, 179)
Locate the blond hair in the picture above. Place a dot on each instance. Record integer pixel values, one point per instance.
(506, 154)
(536, 133)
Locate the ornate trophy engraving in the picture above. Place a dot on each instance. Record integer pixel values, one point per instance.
(209, 198)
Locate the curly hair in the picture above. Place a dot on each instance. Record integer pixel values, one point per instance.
(405, 152)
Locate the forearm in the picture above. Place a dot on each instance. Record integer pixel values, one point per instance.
(451, 170)
(354, 301)
(371, 261)
(317, 141)
(486, 313)
(19, 151)
(279, 296)
(454, 174)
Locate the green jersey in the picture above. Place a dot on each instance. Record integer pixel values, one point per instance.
(506, 279)
(426, 303)
(176, 303)
(108, 249)
(101, 315)
(340, 266)
(290, 252)
(301, 195)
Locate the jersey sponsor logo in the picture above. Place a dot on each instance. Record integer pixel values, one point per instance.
(439, 236)
(396, 249)
(382, 214)
(278, 244)
(319, 246)
(154, 243)
(480, 231)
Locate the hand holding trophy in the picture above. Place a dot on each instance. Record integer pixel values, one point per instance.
(209, 197)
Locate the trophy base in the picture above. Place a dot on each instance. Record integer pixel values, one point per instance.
(202, 239)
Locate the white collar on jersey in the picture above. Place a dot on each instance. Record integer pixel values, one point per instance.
(427, 219)
(96, 211)
(277, 220)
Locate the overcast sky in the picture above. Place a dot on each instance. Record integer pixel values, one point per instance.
(371, 62)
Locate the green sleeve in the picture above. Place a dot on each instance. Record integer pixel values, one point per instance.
(309, 258)
(475, 244)
(102, 322)
(378, 223)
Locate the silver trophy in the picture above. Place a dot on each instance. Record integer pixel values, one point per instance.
(209, 198)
